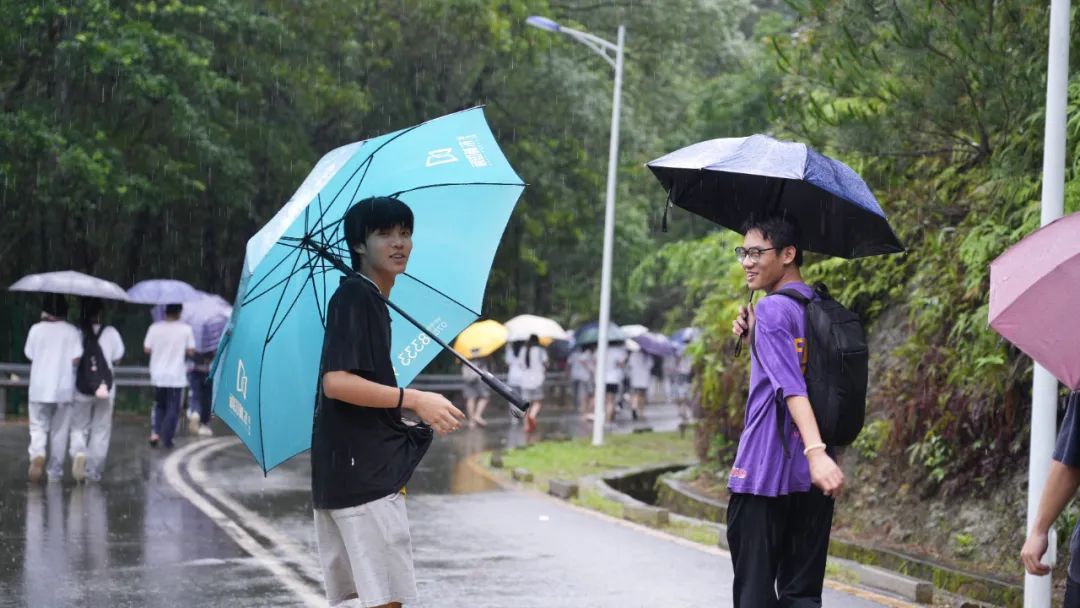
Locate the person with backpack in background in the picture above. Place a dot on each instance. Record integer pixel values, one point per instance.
(785, 480)
(95, 392)
(53, 347)
(168, 342)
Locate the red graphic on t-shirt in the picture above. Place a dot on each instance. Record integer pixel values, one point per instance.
(737, 473)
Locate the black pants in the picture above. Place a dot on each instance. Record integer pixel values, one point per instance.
(166, 413)
(1072, 594)
(778, 548)
(200, 394)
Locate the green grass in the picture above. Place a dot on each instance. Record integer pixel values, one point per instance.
(694, 532)
(593, 500)
(576, 458)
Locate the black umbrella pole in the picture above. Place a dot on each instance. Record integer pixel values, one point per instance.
(520, 405)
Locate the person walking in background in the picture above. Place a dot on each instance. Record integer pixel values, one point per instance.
(534, 369)
(53, 347)
(515, 367)
(640, 365)
(168, 342)
(614, 374)
(95, 392)
(475, 391)
(682, 383)
(582, 373)
(200, 394)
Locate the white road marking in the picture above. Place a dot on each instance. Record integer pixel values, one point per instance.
(302, 590)
(285, 547)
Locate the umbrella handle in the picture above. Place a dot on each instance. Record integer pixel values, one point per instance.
(737, 349)
(504, 390)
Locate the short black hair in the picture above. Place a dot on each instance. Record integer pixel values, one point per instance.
(55, 305)
(173, 310)
(780, 230)
(371, 214)
(90, 308)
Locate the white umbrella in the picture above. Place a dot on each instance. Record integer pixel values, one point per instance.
(522, 326)
(72, 283)
(633, 331)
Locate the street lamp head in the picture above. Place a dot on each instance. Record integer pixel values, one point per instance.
(543, 23)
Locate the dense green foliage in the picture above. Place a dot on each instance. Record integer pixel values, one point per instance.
(939, 105)
(148, 139)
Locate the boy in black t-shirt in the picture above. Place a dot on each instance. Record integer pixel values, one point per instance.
(362, 453)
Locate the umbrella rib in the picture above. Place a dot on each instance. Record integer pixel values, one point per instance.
(270, 271)
(299, 292)
(441, 293)
(252, 298)
(270, 332)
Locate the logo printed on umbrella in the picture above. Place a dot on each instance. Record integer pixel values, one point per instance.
(235, 406)
(471, 148)
(241, 378)
(442, 156)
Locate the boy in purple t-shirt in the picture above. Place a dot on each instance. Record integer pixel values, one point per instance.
(783, 481)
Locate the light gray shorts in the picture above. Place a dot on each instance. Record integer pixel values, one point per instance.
(532, 394)
(475, 390)
(366, 553)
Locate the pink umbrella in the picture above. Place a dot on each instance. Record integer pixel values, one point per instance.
(1035, 297)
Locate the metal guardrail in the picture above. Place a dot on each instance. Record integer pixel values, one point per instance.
(17, 376)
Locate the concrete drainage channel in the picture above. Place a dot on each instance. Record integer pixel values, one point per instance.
(654, 497)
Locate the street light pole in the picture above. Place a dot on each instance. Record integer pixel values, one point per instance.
(602, 47)
(1037, 589)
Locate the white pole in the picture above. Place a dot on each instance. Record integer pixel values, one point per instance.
(1037, 589)
(600, 391)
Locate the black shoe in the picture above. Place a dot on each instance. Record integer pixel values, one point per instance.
(153, 442)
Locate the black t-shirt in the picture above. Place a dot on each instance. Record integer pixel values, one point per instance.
(1067, 452)
(360, 454)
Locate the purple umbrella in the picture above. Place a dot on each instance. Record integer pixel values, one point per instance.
(162, 291)
(1034, 288)
(655, 344)
(684, 336)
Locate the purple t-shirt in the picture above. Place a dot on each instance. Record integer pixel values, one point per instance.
(761, 467)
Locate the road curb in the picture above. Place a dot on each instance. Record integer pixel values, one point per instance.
(594, 482)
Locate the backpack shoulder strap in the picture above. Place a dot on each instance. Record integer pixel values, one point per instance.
(794, 294)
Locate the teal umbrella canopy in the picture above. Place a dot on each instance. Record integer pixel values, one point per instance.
(461, 189)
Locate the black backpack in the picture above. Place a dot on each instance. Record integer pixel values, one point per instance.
(93, 369)
(836, 367)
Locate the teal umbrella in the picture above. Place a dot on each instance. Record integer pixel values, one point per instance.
(461, 189)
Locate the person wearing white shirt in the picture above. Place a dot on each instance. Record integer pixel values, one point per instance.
(641, 365)
(534, 361)
(615, 362)
(583, 372)
(91, 418)
(168, 342)
(53, 347)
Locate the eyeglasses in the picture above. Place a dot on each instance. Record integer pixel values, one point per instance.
(754, 253)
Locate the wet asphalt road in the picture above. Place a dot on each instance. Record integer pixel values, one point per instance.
(200, 525)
